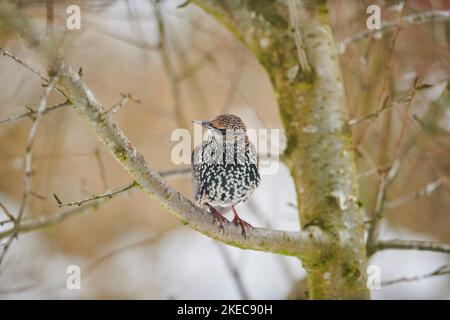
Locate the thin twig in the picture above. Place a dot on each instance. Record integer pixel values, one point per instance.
(366, 156)
(384, 97)
(111, 194)
(28, 159)
(423, 192)
(410, 245)
(120, 104)
(405, 117)
(6, 211)
(31, 113)
(169, 68)
(368, 173)
(29, 67)
(37, 195)
(378, 211)
(24, 64)
(417, 18)
(443, 270)
(53, 219)
(108, 195)
(29, 225)
(385, 107)
(101, 166)
(29, 150)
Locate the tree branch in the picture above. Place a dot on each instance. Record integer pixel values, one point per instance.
(378, 212)
(169, 68)
(417, 18)
(28, 159)
(120, 104)
(29, 225)
(24, 64)
(108, 195)
(410, 245)
(443, 270)
(31, 113)
(423, 192)
(84, 101)
(319, 150)
(6, 211)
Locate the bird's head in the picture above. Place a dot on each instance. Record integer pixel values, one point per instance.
(224, 125)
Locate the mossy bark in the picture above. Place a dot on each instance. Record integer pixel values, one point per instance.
(319, 151)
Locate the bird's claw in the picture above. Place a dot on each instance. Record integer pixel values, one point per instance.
(245, 226)
(220, 221)
(219, 218)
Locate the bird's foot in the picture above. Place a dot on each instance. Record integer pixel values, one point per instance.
(218, 217)
(245, 226)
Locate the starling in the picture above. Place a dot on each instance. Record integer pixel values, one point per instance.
(225, 168)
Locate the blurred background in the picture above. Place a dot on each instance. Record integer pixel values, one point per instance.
(181, 65)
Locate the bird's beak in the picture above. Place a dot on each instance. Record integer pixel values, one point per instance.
(206, 124)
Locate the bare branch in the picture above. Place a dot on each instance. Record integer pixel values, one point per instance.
(28, 66)
(111, 194)
(384, 96)
(28, 159)
(31, 113)
(380, 204)
(378, 211)
(417, 18)
(37, 195)
(28, 225)
(29, 154)
(387, 105)
(366, 156)
(24, 64)
(6, 211)
(176, 173)
(108, 195)
(424, 192)
(103, 178)
(443, 270)
(120, 104)
(169, 68)
(411, 245)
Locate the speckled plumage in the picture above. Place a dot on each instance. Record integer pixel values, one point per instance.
(225, 164)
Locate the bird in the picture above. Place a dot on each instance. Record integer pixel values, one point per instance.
(224, 168)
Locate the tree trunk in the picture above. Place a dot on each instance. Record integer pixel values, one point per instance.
(299, 55)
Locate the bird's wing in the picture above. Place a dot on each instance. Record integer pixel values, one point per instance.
(195, 161)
